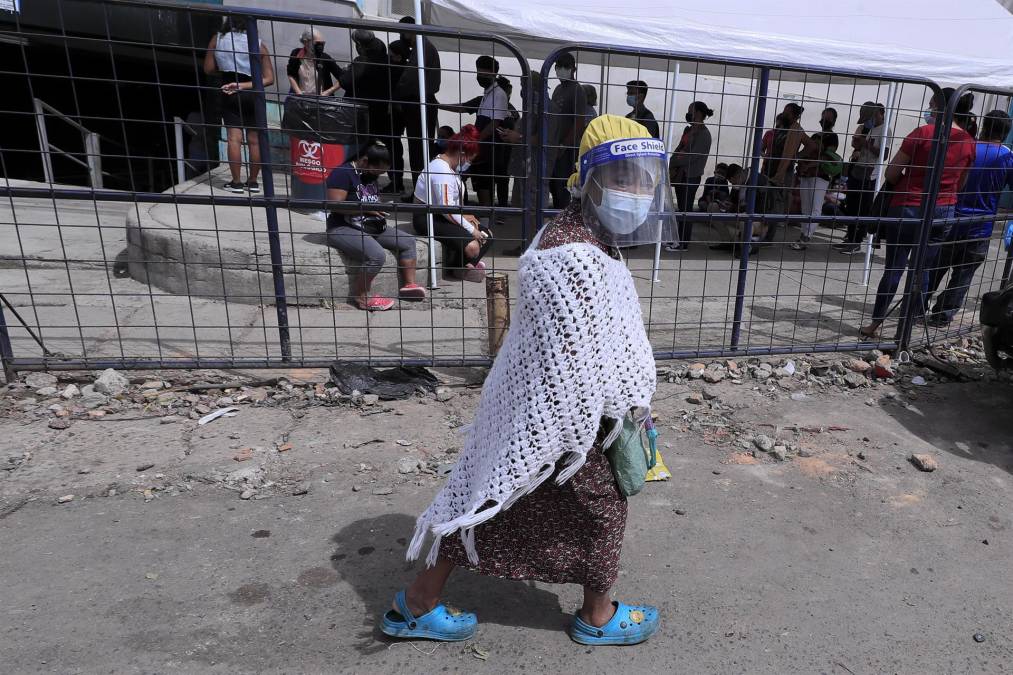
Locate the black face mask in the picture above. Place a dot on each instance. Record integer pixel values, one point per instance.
(368, 178)
(689, 117)
(485, 81)
(318, 48)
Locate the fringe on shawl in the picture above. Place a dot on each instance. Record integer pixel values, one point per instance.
(467, 523)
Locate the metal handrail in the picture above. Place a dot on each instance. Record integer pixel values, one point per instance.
(92, 146)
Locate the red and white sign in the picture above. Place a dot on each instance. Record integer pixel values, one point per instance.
(312, 162)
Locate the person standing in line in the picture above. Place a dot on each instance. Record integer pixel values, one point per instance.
(767, 142)
(780, 166)
(863, 173)
(636, 95)
(686, 167)
(504, 150)
(967, 247)
(228, 55)
(591, 109)
(533, 495)
(311, 70)
(828, 118)
(368, 80)
(522, 165)
(407, 92)
(908, 172)
(567, 109)
(493, 108)
(398, 53)
(818, 167)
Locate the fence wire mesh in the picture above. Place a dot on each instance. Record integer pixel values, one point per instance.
(154, 217)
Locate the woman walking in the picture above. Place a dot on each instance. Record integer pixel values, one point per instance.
(532, 495)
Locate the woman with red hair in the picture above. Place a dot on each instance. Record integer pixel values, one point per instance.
(465, 240)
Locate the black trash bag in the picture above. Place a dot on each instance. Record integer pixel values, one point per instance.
(389, 384)
(326, 120)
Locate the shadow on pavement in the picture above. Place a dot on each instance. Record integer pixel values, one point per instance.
(971, 422)
(369, 556)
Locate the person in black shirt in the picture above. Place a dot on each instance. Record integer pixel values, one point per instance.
(399, 52)
(716, 191)
(636, 94)
(567, 108)
(368, 80)
(359, 238)
(406, 89)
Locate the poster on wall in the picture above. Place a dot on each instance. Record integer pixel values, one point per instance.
(10, 5)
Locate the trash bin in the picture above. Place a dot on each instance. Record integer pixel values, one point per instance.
(323, 133)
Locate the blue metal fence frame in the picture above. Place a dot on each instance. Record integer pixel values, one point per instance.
(764, 68)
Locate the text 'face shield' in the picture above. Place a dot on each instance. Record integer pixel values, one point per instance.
(626, 198)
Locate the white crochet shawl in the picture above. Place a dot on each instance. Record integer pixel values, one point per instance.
(576, 351)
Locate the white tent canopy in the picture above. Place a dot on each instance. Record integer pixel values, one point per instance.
(951, 42)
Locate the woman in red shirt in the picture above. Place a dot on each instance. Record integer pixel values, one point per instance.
(908, 173)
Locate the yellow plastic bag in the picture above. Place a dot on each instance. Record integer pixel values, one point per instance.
(659, 471)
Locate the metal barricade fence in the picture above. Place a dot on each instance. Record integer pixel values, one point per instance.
(971, 259)
(749, 283)
(168, 266)
(162, 270)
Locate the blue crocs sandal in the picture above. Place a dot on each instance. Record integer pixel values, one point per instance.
(442, 623)
(628, 626)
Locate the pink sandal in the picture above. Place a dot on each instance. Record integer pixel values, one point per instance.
(412, 292)
(474, 274)
(376, 303)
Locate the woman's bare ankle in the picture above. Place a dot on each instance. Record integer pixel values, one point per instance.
(418, 604)
(597, 616)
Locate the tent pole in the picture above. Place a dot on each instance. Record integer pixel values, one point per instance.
(420, 51)
(891, 104)
(669, 129)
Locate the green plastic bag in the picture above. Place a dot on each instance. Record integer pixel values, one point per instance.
(630, 458)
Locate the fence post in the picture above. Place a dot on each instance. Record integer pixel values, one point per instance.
(177, 127)
(497, 304)
(911, 305)
(747, 229)
(93, 150)
(669, 134)
(6, 351)
(420, 52)
(40, 126)
(267, 177)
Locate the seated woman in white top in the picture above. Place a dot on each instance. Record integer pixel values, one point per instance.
(464, 239)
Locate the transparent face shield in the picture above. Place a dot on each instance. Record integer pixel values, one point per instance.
(625, 196)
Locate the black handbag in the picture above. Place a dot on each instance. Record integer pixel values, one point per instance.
(371, 225)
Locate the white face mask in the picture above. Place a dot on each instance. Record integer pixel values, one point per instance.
(631, 101)
(623, 212)
(564, 73)
(463, 167)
